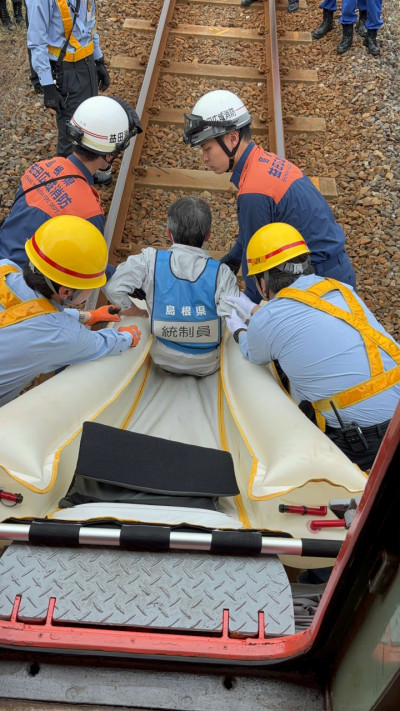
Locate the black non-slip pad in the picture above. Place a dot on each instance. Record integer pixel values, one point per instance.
(152, 464)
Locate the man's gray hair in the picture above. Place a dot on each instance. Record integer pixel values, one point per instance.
(189, 221)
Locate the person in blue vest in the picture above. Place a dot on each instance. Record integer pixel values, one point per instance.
(368, 23)
(185, 289)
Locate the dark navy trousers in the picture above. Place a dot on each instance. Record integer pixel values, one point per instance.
(349, 16)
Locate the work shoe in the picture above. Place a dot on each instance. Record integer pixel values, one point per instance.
(102, 177)
(19, 18)
(293, 6)
(360, 26)
(5, 17)
(371, 43)
(325, 26)
(347, 39)
(245, 3)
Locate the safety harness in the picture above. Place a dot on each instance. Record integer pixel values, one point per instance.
(15, 309)
(373, 341)
(68, 23)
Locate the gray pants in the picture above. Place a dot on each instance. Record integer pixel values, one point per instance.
(77, 83)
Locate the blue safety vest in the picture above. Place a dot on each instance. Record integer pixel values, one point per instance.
(184, 314)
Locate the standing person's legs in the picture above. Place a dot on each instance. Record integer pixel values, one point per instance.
(33, 77)
(373, 24)
(362, 18)
(19, 18)
(79, 82)
(349, 15)
(328, 7)
(347, 20)
(5, 17)
(374, 14)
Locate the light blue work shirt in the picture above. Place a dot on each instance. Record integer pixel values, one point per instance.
(320, 354)
(45, 343)
(46, 28)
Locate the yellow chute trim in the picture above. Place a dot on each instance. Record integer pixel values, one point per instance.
(224, 444)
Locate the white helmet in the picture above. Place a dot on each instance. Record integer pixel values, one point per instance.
(103, 125)
(215, 114)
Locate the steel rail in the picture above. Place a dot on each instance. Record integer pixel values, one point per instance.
(119, 207)
(126, 178)
(275, 121)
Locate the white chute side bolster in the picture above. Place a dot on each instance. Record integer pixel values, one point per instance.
(290, 457)
(40, 430)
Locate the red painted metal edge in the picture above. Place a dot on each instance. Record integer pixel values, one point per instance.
(383, 459)
(51, 636)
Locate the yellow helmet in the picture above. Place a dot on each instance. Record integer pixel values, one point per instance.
(272, 245)
(70, 251)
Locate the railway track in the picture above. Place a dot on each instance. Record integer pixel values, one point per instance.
(190, 54)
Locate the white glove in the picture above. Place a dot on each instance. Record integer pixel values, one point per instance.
(242, 302)
(234, 322)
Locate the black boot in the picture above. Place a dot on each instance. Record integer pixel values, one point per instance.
(325, 26)
(293, 5)
(347, 39)
(5, 17)
(19, 19)
(371, 43)
(360, 26)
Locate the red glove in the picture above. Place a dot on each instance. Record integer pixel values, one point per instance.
(135, 333)
(104, 314)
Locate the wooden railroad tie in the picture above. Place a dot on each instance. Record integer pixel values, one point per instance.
(215, 71)
(228, 33)
(199, 180)
(280, 4)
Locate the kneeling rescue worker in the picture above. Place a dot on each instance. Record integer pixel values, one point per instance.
(333, 351)
(67, 259)
(270, 188)
(100, 130)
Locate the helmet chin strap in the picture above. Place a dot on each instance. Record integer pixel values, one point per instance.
(109, 163)
(66, 302)
(69, 299)
(74, 295)
(231, 154)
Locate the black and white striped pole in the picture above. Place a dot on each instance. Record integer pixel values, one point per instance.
(163, 538)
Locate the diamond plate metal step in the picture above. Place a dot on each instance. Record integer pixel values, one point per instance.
(163, 591)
